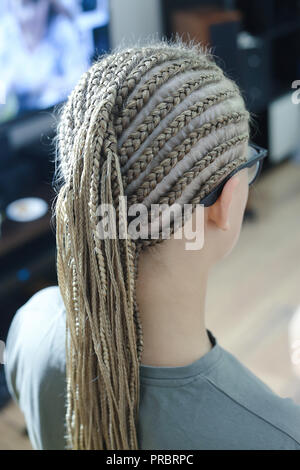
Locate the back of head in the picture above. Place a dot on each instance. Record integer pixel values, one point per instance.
(156, 124)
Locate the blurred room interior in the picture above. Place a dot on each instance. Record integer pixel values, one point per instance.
(257, 44)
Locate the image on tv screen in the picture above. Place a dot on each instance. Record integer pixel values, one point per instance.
(45, 46)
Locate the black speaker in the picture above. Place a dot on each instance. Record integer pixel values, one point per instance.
(16, 180)
(224, 43)
(5, 151)
(254, 77)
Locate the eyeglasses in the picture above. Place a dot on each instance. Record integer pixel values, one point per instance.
(254, 164)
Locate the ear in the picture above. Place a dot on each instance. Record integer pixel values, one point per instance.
(218, 213)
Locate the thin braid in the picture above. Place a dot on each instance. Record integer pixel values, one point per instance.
(77, 112)
(148, 89)
(189, 175)
(108, 150)
(181, 121)
(135, 140)
(178, 154)
(210, 184)
(151, 57)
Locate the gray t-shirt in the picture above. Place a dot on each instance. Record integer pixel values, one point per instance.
(212, 403)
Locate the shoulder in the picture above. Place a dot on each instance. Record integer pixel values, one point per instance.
(35, 325)
(35, 363)
(277, 418)
(51, 293)
(41, 313)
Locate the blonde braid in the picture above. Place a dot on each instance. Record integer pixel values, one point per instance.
(130, 127)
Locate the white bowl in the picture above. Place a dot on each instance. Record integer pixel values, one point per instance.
(26, 209)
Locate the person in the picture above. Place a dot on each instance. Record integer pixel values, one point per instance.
(118, 356)
(40, 35)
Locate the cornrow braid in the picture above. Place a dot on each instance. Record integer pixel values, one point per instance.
(135, 140)
(152, 57)
(147, 90)
(182, 120)
(217, 177)
(159, 123)
(189, 175)
(178, 153)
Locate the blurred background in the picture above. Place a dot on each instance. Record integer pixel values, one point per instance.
(45, 45)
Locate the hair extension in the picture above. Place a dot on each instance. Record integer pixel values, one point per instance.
(157, 124)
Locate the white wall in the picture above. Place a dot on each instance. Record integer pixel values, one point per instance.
(284, 124)
(133, 20)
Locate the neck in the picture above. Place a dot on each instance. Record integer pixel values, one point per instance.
(171, 301)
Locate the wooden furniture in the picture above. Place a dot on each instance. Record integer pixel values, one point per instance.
(27, 258)
(15, 234)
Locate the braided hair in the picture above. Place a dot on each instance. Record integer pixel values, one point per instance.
(158, 124)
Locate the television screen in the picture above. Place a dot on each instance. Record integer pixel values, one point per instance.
(45, 46)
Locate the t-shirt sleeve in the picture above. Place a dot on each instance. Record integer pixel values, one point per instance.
(35, 367)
